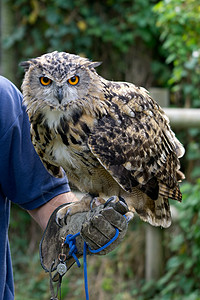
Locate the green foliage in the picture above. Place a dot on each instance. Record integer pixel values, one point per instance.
(108, 30)
(104, 30)
(184, 265)
(179, 22)
(75, 25)
(182, 275)
(193, 153)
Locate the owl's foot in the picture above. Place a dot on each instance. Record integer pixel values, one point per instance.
(85, 204)
(88, 203)
(118, 203)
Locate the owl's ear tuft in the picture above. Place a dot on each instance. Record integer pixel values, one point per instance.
(25, 65)
(95, 64)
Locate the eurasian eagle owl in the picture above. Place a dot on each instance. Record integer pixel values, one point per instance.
(111, 138)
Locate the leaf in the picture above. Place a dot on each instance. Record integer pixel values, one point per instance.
(174, 262)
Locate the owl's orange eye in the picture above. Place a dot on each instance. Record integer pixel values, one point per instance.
(73, 80)
(45, 80)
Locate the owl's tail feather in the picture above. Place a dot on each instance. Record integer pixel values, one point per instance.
(158, 213)
(166, 192)
(155, 212)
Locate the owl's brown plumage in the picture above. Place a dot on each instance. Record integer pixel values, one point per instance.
(111, 138)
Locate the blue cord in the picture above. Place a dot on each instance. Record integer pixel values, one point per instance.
(85, 270)
(107, 244)
(71, 241)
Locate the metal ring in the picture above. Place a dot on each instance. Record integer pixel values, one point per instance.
(62, 257)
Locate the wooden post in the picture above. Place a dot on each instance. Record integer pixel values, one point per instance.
(183, 118)
(154, 252)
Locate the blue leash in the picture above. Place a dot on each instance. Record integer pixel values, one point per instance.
(71, 241)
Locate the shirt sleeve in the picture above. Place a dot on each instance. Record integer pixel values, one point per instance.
(23, 178)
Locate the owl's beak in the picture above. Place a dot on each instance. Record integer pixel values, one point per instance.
(59, 94)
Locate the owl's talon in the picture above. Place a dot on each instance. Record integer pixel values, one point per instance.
(92, 201)
(66, 215)
(65, 219)
(111, 199)
(122, 199)
(91, 204)
(108, 201)
(129, 216)
(58, 221)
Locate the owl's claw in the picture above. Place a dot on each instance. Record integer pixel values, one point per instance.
(60, 213)
(65, 217)
(115, 199)
(87, 203)
(111, 199)
(91, 204)
(122, 199)
(129, 216)
(58, 221)
(61, 217)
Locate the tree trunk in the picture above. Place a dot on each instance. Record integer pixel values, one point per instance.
(8, 63)
(138, 62)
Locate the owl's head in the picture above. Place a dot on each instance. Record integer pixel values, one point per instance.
(58, 79)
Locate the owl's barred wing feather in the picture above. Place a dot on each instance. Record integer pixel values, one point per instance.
(136, 146)
(133, 144)
(133, 160)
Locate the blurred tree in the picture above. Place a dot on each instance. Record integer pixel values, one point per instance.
(179, 22)
(7, 59)
(121, 33)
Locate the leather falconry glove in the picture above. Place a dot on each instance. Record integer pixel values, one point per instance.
(97, 225)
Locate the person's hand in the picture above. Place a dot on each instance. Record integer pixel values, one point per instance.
(97, 227)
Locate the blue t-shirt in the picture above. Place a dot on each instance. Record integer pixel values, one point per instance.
(23, 178)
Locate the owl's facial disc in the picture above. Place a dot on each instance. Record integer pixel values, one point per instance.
(59, 93)
(60, 86)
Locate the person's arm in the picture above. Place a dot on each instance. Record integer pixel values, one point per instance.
(42, 214)
(23, 178)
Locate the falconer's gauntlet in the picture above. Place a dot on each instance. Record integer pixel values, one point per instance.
(97, 221)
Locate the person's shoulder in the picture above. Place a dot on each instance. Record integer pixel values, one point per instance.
(9, 90)
(10, 104)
